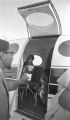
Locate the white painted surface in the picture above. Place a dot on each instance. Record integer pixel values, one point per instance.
(17, 57)
(57, 58)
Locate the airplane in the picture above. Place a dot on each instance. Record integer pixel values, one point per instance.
(48, 39)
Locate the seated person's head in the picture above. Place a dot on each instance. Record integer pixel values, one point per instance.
(28, 64)
(30, 58)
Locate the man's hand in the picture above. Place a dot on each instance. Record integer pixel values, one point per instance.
(23, 79)
(13, 84)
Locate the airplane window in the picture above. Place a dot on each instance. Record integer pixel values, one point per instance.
(14, 47)
(37, 60)
(40, 19)
(64, 48)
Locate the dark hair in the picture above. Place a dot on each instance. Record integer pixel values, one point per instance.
(4, 45)
(30, 57)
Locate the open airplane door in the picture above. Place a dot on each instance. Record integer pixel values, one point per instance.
(41, 19)
(44, 28)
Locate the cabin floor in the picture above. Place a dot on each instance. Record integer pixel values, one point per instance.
(27, 110)
(27, 105)
(20, 115)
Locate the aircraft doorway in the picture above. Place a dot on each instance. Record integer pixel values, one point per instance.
(31, 102)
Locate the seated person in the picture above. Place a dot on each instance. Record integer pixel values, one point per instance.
(28, 66)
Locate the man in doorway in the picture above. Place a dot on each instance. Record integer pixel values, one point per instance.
(6, 56)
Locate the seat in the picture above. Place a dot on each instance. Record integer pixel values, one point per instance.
(23, 89)
(36, 86)
(35, 83)
(32, 85)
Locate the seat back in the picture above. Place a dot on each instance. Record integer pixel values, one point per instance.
(36, 76)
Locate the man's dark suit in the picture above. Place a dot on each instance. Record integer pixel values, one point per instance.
(4, 101)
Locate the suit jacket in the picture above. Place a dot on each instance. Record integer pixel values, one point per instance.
(4, 101)
(5, 87)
